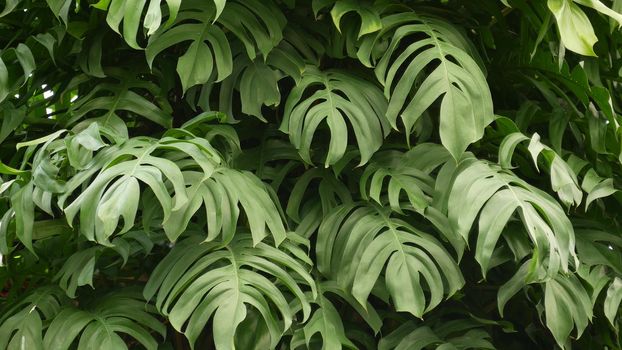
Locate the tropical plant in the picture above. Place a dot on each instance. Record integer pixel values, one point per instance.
(326, 174)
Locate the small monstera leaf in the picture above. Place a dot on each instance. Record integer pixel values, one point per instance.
(222, 194)
(563, 179)
(453, 334)
(327, 322)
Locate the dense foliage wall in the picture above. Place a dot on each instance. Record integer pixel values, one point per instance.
(322, 174)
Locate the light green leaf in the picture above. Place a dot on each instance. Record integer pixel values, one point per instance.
(566, 304)
(596, 187)
(370, 18)
(21, 326)
(602, 8)
(574, 27)
(130, 12)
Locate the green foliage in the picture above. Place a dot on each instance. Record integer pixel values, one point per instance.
(328, 174)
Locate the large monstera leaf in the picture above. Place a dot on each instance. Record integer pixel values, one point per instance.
(199, 281)
(484, 189)
(114, 192)
(337, 97)
(438, 64)
(356, 242)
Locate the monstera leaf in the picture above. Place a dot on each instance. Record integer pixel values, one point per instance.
(408, 173)
(105, 100)
(454, 76)
(356, 242)
(369, 14)
(563, 179)
(182, 159)
(454, 334)
(195, 23)
(21, 326)
(335, 96)
(130, 15)
(405, 182)
(198, 281)
(485, 189)
(574, 26)
(100, 326)
(12, 77)
(257, 81)
(326, 320)
(218, 195)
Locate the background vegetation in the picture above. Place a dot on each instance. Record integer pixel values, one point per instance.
(323, 174)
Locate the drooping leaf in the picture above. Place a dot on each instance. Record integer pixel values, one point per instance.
(567, 305)
(130, 14)
(563, 179)
(326, 320)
